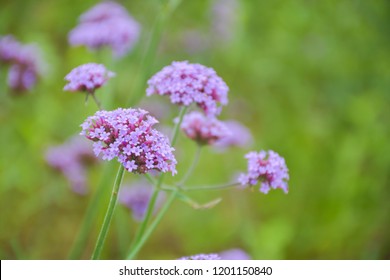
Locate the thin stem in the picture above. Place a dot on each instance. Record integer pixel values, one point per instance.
(90, 215)
(96, 101)
(192, 166)
(218, 187)
(109, 214)
(148, 214)
(175, 133)
(149, 231)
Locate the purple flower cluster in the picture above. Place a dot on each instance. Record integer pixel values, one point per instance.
(187, 83)
(234, 254)
(200, 257)
(267, 167)
(106, 24)
(87, 78)
(203, 130)
(128, 135)
(71, 159)
(239, 136)
(136, 197)
(25, 63)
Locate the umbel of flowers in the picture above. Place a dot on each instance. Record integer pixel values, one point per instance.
(128, 135)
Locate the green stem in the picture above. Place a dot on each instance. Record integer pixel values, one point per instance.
(192, 167)
(109, 214)
(90, 214)
(175, 133)
(149, 212)
(200, 188)
(149, 231)
(151, 49)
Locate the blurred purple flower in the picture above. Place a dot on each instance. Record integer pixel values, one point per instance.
(106, 24)
(127, 134)
(71, 159)
(267, 167)
(87, 78)
(224, 19)
(187, 83)
(203, 130)
(25, 63)
(234, 254)
(239, 136)
(201, 257)
(136, 197)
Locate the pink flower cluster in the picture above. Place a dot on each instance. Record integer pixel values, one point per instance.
(106, 24)
(25, 63)
(87, 78)
(187, 83)
(129, 136)
(267, 167)
(71, 159)
(204, 130)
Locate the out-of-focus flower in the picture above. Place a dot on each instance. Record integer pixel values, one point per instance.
(224, 17)
(267, 167)
(87, 78)
(25, 63)
(199, 257)
(129, 136)
(187, 83)
(203, 130)
(71, 159)
(107, 24)
(234, 254)
(239, 136)
(136, 197)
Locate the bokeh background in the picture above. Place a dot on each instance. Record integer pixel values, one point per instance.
(310, 79)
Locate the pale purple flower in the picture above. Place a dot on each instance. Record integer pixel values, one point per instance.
(87, 78)
(129, 136)
(203, 130)
(224, 16)
(25, 63)
(199, 257)
(267, 167)
(239, 136)
(70, 159)
(106, 24)
(187, 83)
(136, 197)
(234, 254)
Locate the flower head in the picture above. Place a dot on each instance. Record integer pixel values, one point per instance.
(187, 83)
(87, 77)
(129, 136)
(106, 24)
(203, 130)
(199, 257)
(136, 197)
(267, 167)
(234, 254)
(70, 159)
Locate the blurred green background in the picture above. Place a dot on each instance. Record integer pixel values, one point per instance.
(310, 79)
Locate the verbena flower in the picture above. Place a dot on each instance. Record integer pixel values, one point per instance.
(136, 197)
(224, 19)
(203, 130)
(201, 257)
(71, 159)
(129, 136)
(268, 168)
(25, 63)
(239, 136)
(107, 24)
(234, 254)
(187, 83)
(87, 78)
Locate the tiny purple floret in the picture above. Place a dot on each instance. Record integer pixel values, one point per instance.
(267, 167)
(187, 83)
